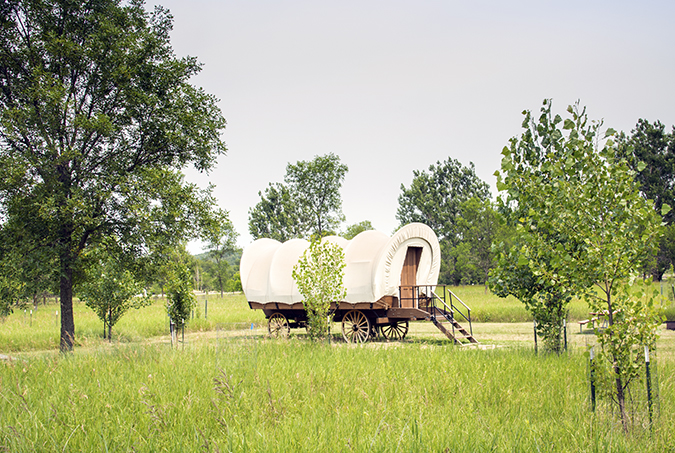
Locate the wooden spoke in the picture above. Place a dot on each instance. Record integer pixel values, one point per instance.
(278, 325)
(355, 327)
(395, 330)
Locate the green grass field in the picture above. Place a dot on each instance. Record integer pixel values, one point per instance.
(229, 387)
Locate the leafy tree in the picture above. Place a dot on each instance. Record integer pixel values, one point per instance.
(180, 297)
(546, 300)
(650, 153)
(319, 275)
(308, 204)
(97, 117)
(111, 290)
(234, 283)
(435, 199)
(316, 186)
(583, 229)
(480, 226)
(220, 245)
(352, 230)
(276, 215)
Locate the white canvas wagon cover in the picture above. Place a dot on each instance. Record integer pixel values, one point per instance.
(374, 262)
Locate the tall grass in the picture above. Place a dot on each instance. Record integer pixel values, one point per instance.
(40, 331)
(239, 394)
(21, 332)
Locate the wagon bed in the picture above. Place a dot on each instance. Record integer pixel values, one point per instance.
(389, 316)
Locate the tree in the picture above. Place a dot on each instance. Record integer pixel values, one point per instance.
(180, 298)
(276, 215)
(316, 185)
(353, 230)
(584, 229)
(97, 117)
(650, 153)
(111, 291)
(480, 226)
(308, 204)
(221, 243)
(319, 275)
(435, 198)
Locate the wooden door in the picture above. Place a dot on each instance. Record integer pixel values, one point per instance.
(409, 277)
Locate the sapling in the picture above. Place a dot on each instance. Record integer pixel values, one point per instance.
(319, 275)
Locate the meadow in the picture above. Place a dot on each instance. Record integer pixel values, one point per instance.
(229, 387)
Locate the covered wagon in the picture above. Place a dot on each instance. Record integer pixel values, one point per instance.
(389, 282)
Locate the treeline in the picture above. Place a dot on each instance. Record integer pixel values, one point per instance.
(471, 225)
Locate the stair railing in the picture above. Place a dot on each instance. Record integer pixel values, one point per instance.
(435, 303)
(467, 317)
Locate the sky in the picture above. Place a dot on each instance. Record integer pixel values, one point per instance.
(395, 86)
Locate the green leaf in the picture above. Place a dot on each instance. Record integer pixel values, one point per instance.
(665, 209)
(641, 166)
(569, 124)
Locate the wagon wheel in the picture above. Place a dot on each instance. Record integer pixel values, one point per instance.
(278, 325)
(395, 330)
(355, 327)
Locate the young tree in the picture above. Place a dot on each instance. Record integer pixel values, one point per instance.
(584, 229)
(435, 198)
(97, 118)
(307, 205)
(111, 290)
(319, 275)
(180, 299)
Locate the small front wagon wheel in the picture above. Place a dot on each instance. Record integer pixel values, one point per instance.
(395, 330)
(278, 326)
(355, 327)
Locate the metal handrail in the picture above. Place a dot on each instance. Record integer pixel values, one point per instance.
(468, 310)
(429, 291)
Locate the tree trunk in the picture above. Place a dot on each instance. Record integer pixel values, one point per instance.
(66, 293)
(621, 398)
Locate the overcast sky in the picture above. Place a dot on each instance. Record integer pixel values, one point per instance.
(392, 86)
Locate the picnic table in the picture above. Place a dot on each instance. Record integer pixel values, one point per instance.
(597, 316)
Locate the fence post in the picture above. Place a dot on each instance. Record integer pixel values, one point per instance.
(592, 379)
(172, 329)
(206, 308)
(565, 332)
(649, 386)
(535, 334)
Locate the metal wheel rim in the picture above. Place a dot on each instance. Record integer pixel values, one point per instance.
(355, 327)
(396, 330)
(278, 326)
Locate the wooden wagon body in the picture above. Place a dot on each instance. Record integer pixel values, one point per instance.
(389, 281)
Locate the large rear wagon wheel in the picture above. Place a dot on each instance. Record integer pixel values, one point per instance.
(278, 326)
(395, 330)
(355, 327)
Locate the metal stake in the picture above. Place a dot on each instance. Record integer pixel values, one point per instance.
(592, 379)
(649, 386)
(535, 335)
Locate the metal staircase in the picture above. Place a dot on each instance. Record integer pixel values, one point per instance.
(444, 317)
(444, 312)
